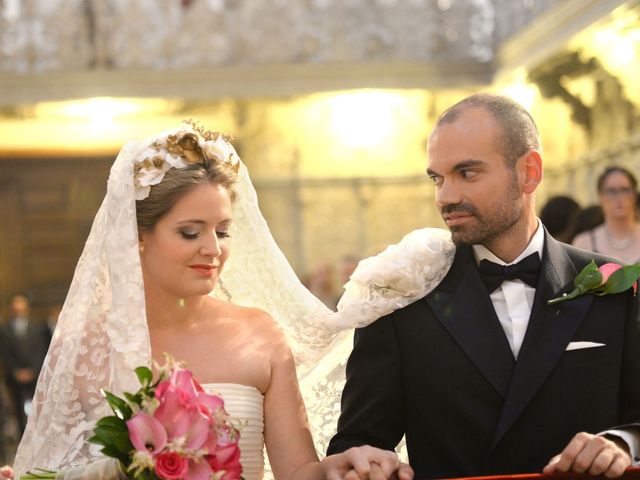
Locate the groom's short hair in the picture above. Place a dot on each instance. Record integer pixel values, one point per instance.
(519, 130)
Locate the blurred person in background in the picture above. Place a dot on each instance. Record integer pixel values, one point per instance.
(320, 283)
(560, 215)
(589, 218)
(619, 235)
(9, 429)
(348, 264)
(24, 343)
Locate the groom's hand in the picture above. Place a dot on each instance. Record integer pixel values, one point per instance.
(596, 455)
(384, 472)
(403, 472)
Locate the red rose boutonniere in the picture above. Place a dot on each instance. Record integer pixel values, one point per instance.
(603, 280)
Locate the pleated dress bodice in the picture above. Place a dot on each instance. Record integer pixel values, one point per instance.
(244, 404)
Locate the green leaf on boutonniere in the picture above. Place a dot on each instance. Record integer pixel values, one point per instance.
(588, 278)
(621, 280)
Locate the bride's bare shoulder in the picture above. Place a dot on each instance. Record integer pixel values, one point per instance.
(254, 320)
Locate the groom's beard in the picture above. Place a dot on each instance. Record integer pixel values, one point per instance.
(486, 226)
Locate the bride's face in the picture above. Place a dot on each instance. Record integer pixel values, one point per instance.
(185, 252)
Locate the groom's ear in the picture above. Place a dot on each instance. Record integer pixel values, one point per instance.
(530, 171)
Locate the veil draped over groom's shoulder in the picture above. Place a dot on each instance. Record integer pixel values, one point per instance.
(258, 274)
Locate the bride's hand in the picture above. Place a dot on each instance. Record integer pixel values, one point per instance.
(6, 472)
(366, 462)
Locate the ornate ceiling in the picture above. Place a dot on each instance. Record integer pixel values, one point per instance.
(56, 49)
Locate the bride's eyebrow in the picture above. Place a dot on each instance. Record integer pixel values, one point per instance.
(199, 222)
(224, 222)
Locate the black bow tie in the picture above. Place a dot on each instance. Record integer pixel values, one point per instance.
(526, 270)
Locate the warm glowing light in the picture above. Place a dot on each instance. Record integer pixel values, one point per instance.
(624, 51)
(99, 112)
(520, 90)
(619, 47)
(615, 45)
(92, 125)
(364, 119)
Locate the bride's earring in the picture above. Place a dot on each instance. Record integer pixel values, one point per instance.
(141, 248)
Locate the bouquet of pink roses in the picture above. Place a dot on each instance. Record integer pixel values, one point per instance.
(170, 429)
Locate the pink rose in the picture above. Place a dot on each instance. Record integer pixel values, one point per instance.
(199, 469)
(171, 466)
(183, 380)
(227, 459)
(199, 388)
(210, 403)
(607, 270)
(183, 420)
(180, 380)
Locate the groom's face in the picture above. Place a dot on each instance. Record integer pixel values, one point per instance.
(477, 193)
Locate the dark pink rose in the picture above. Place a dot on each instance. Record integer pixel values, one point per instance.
(227, 459)
(171, 466)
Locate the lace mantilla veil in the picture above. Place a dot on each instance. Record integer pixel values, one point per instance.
(102, 334)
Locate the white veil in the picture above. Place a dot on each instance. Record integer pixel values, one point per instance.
(102, 335)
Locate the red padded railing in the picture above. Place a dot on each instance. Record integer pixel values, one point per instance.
(630, 474)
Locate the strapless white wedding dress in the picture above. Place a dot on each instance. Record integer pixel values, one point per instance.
(244, 404)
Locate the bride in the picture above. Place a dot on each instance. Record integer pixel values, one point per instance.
(157, 276)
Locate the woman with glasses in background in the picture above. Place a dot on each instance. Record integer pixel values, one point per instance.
(619, 235)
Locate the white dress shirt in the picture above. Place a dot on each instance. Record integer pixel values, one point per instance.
(20, 326)
(513, 300)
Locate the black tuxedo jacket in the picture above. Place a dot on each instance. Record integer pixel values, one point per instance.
(441, 372)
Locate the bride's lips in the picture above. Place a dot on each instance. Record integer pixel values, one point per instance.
(204, 269)
(454, 219)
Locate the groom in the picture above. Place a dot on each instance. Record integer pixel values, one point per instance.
(481, 375)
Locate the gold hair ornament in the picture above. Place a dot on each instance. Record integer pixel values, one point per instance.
(191, 146)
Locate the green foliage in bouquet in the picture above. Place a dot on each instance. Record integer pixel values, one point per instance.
(112, 432)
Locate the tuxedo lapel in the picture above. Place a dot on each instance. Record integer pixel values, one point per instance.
(463, 306)
(549, 331)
